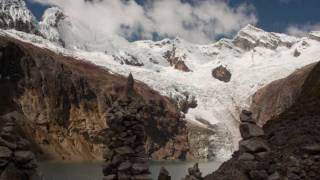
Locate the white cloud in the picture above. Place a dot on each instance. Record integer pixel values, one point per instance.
(302, 30)
(200, 23)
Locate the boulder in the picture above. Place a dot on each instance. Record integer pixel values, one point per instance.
(125, 166)
(258, 174)
(110, 177)
(139, 168)
(246, 157)
(254, 145)
(312, 149)
(246, 117)
(274, 176)
(23, 157)
(249, 130)
(164, 174)
(5, 152)
(124, 150)
(221, 73)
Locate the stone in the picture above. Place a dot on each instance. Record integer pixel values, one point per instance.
(125, 166)
(246, 118)
(125, 150)
(312, 149)
(255, 145)
(274, 176)
(249, 130)
(258, 174)
(107, 153)
(110, 177)
(116, 160)
(107, 168)
(23, 157)
(11, 172)
(296, 53)
(5, 152)
(246, 157)
(139, 168)
(164, 174)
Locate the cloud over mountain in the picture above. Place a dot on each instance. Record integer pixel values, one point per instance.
(200, 22)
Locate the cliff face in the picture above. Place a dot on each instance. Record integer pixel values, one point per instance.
(273, 99)
(292, 139)
(65, 103)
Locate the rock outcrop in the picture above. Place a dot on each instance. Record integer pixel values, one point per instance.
(65, 102)
(176, 61)
(17, 161)
(276, 97)
(222, 73)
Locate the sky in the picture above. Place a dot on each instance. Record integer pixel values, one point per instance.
(295, 17)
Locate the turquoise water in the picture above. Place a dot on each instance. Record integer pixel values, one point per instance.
(93, 170)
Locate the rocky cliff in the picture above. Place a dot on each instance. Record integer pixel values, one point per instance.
(65, 102)
(289, 146)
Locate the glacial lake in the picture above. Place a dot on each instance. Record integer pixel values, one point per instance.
(93, 170)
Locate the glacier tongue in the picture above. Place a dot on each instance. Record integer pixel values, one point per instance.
(254, 58)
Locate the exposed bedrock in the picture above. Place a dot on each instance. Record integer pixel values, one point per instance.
(65, 102)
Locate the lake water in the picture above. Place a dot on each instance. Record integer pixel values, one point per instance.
(93, 170)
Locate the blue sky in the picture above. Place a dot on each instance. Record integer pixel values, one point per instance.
(273, 15)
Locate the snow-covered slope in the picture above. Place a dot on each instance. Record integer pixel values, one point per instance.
(254, 58)
(14, 14)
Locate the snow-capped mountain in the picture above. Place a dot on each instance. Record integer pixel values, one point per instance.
(14, 14)
(186, 71)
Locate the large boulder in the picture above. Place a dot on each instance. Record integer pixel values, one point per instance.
(254, 145)
(249, 130)
(222, 73)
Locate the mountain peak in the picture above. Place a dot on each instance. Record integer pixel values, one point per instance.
(15, 15)
(250, 37)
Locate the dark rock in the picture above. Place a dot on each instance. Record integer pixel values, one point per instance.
(164, 174)
(110, 177)
(107, 153)
(23, 157)
(246, 117)
(107, 168)
(274, 176)
(5, 152)
(259, 175)
(180, 65)
(221, 73)
(296, 53)
(125, 150)
(11, 172)
(312, 149)
(125, 166)
(139, 168)
(255, 145)
(249, 130)
(130, 85)
(246, 157)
